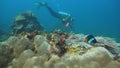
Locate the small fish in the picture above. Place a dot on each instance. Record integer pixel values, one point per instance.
(90, 39)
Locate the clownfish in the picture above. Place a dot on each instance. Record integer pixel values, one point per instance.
(90, 39)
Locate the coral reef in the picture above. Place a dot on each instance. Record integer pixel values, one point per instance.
(5, 55)
(1, 32)
(26, 22)
(19, 48)
(56, 50)
(20, 61)
(3, 35)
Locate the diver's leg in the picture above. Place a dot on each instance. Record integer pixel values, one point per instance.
(53, 13)
(40, 4)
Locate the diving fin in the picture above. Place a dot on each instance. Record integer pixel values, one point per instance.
(40, 4)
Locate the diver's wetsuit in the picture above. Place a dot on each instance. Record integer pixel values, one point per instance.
(53, 13)
(61, 16)
(64, 17)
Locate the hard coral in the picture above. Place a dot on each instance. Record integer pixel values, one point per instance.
(41, 45)
(32, 35)
(19, 18)
(38, 39)
(6, 55)
(55, 50)
(20, 61)
(44, 48)
(61, 46)
(26, 22)
(57, 40)
(19, 48)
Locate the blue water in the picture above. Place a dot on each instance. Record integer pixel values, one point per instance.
(97, 17)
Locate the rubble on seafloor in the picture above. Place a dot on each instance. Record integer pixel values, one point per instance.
(55, 50)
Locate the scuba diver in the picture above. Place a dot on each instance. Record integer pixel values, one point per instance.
(65, 18)
(90, 39)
